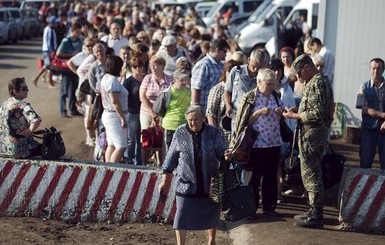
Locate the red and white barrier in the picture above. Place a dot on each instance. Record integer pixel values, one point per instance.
(83, 192)
(363, 200)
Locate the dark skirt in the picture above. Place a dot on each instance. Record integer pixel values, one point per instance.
(196, 213)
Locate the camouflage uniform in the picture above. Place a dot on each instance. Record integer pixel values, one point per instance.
(315, 109)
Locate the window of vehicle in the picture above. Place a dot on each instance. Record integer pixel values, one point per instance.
(250, 6)
(314, 17)
(10, 3)
(229, 5)
(260, 13)
(2, 16)
(15, 14)
(297, 18)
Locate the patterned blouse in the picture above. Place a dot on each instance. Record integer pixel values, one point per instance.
(267, 125)
(16, 116)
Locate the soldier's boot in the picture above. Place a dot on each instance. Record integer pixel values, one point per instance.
(310, 219)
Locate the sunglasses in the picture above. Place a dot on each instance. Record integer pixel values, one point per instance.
(136, 67)
(25, 89)
(89, 45)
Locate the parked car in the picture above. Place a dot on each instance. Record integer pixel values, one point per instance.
(203, 8)
(23, 29)
(32, 17)
(259, 28)
(291, 30)
(10, 3)
(8, 27)
(239, 7)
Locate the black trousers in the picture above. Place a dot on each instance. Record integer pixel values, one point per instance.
(265, 166)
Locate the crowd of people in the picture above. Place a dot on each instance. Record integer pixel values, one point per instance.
(130, 55)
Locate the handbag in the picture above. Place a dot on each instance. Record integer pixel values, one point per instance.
(332, 167)
(217, 184)
(58, 65)
(52, 146)
(286, 133)
(86, 88)
(238, 201)
(152, 137)
(159, 106)
(244, 144)
(97, 107)
(40, 63)
(95, 112)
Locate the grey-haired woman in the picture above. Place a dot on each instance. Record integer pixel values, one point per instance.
(195, 152)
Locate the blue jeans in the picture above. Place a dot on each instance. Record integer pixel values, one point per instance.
(68, 86)
(134, 149)
(370, 140)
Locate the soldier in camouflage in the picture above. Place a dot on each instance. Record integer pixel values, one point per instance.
(314, 115)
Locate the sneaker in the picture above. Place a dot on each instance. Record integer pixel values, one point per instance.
(295, 191)
(65, 115)
(310, 222)
(280, 200)
(271, 213)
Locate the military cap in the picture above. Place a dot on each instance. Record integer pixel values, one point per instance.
(299, 62)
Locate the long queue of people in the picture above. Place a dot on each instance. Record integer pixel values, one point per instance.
(130, 56)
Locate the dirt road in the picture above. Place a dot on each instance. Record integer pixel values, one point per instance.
(20, 60)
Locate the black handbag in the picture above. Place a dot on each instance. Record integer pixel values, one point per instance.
(286, 132)
(238, 201)
(86, 88)
(97, 107)
(332, 167)
(52, 146)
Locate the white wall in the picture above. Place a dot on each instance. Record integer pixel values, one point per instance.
(354, 31)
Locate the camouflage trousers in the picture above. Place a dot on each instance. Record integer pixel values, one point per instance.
(312, 142)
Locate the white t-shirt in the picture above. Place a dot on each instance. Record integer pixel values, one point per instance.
(110, 84)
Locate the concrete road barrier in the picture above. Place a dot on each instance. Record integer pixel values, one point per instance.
(83, 192)
(362, 205)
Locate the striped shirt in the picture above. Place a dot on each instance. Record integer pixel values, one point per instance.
(153, 89)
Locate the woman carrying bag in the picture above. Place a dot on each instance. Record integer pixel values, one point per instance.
(258, 109)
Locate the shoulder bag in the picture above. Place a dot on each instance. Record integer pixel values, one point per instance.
(160, 106)
(52, 146)
(58, 65)
(244, 144)
(286, 132)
